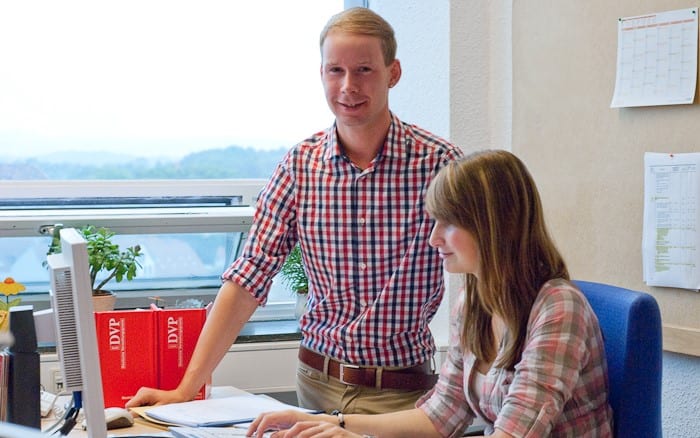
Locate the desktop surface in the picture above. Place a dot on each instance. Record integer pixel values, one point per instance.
(140, 426)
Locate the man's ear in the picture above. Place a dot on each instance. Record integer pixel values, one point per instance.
(395, 70)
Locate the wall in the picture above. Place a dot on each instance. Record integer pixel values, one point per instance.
(588, 161)
(586, 157)
(564, 63)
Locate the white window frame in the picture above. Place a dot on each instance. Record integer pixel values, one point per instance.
(151, 220)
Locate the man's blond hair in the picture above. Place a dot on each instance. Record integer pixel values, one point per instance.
(363, 21)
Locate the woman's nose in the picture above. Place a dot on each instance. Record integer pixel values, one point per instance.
(434, 239)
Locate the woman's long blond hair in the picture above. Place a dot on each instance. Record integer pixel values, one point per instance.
(492, 195)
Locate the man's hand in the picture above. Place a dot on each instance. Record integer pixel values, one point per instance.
(151, 397)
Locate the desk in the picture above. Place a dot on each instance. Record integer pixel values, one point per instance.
(140, 425)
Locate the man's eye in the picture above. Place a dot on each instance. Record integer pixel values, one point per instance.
(364, 69)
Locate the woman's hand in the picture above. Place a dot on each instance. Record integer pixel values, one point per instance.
(280, 420)
(315, 429)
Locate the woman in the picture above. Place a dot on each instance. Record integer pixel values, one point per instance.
(526, 353)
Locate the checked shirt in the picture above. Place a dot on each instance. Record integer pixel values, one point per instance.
(374, 281)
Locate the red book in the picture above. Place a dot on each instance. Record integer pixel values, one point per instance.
(127, 346)
(177, 333)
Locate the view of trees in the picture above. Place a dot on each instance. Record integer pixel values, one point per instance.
(230, 162)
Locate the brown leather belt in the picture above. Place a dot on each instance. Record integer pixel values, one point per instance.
(414, 378)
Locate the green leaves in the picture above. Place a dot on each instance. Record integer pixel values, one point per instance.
(4, 305)
(293, 274)
(105, 256)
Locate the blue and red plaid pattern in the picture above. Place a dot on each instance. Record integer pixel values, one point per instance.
(374, 281)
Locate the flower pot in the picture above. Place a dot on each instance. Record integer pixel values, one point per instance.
(103, 301)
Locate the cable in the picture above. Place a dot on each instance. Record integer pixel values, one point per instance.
(61, 415)
(64, 425)
(72, 416)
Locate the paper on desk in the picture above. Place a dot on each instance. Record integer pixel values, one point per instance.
(225, 411)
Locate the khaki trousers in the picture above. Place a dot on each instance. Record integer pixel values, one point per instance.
(318, 391)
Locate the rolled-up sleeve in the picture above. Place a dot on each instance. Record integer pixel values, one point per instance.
(271, 237)
(446, 405)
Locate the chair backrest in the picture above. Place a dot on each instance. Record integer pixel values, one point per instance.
(631, 326)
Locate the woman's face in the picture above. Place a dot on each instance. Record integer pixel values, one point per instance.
(457, 247)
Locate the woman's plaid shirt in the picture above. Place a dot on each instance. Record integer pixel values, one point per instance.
(558, 389)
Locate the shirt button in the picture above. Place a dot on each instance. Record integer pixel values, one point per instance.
(362, 221)
(363, 303)
(363, 266)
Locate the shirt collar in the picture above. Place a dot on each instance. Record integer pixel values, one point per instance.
(396, 145)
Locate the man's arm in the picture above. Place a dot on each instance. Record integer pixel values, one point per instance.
(232, 308)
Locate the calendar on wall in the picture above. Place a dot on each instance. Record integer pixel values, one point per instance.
(657, 58)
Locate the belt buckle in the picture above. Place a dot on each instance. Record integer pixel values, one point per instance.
(341, 373)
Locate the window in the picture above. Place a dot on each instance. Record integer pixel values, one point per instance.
(151, 100)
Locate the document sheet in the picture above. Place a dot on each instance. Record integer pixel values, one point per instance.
(224, 411)
(671, 218)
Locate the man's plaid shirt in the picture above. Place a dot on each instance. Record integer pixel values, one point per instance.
(374, 281)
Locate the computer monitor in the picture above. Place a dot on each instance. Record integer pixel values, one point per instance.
(76, 339)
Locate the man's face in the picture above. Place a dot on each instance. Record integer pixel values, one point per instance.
(355, 78)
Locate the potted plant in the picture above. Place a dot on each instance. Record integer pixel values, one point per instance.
(105, 259)
(294, 277)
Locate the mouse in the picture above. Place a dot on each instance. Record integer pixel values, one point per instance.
(116, 418)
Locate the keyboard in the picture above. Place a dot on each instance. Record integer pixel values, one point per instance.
(208, 432)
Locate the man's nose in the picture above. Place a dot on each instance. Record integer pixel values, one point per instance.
(350, 84)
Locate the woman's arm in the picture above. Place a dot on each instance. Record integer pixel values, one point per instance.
(396, 424)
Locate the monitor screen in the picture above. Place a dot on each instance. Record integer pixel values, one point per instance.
(76, 339)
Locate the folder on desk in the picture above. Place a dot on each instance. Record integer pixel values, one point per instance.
(225, 411)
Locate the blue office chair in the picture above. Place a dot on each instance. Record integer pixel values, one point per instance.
(631, 326)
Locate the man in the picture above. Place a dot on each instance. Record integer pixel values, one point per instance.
(352, 196)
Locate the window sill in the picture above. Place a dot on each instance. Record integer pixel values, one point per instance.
(269, 331)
